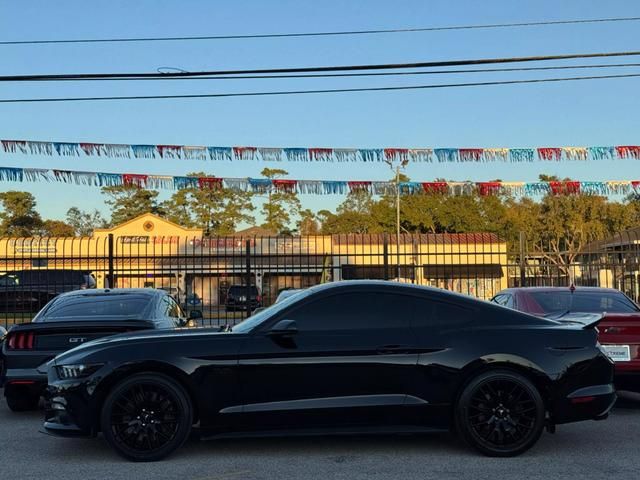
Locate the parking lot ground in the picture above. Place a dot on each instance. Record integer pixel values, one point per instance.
(588, 450)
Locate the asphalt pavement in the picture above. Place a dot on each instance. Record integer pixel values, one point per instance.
(588, 450)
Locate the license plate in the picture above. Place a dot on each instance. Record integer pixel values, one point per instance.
(242, 298)
(618, 353)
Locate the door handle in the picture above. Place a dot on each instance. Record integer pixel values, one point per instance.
(389, 349)
(612, 330)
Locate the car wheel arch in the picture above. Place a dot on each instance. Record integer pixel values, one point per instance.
(523, 367)
(152, 367)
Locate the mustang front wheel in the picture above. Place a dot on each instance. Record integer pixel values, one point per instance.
(500, 413)
(146, 417)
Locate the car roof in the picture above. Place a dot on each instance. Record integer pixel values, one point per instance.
(151, 292)
(557, 289)
(391, 285)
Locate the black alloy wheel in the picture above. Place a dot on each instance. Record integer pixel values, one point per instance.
(146, 417)
(500, 413)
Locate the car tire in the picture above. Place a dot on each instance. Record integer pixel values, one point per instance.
(500, 413)
(146, 417)
(22, 402)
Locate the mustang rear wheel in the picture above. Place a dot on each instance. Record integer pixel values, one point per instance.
(500, 413)
(146, 417)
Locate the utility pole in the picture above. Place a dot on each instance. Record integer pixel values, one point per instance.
(399, 164)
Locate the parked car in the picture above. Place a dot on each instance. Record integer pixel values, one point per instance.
(619, 329)
(3, 334)
(72, 319)
(350, 357)
(30, 290)
(241, 297)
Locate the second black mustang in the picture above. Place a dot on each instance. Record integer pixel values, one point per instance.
(348, 357)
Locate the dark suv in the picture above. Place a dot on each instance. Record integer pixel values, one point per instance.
(241, 297)
(27, 291)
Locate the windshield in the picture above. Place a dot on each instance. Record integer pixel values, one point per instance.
(587, 302)
(83, 307)
(255, 320)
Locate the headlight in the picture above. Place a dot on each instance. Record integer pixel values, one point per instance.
(66, 372)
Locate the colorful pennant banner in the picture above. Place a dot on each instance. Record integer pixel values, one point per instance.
(317, 187)
(320, 154)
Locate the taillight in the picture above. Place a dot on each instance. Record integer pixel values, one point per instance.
(259, 298)
(21, 341)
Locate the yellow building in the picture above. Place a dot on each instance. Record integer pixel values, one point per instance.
(149, 251)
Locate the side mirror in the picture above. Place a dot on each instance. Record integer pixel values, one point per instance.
(283, 328)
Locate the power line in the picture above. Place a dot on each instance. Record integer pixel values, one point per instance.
(383, 66)
(343, 75)
(302, 92)
(320, 34)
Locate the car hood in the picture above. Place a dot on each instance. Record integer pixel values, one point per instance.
(169, 334)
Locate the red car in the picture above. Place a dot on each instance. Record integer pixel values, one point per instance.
(619, 329)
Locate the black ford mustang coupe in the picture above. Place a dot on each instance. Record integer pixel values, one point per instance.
(347, 357)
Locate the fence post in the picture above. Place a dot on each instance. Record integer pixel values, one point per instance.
(523, 261)
(248, 275)
(110, 261)
(385, 255)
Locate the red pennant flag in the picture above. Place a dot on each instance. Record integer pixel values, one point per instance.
(320, 153)
(549, 153)
(565, 188)
(169, 150)
(134, 179)
(359, 186)
(209, 182)
(393, 153)
(244, 153)
(435, 187)
(628, 151)
(284, 185)
(489, 188)
(470, 154)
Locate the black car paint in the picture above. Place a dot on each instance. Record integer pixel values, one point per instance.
(248, 381)
(22, 366)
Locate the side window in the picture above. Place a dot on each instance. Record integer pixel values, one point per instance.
(172, 310)
(427, 313)
(509, 301)
(499, 299)
(350, 311)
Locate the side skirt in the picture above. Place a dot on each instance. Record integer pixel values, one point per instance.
(314, 432)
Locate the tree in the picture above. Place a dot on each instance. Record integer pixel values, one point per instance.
(352, 216)
(308, 223)
(129, 201)
(57, 228)
(84, 223)
(217, 210)
(19, 217)
(281, 206)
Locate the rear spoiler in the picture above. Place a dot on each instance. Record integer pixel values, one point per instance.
(586, 320)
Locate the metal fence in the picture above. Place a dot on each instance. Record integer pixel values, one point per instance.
(228, 277)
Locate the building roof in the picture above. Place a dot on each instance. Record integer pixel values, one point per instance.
(624, 238)
(256, 232)
(154, 221)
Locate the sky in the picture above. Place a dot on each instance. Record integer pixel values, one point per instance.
(588, 113)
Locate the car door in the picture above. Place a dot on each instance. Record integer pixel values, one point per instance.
(351, 362)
